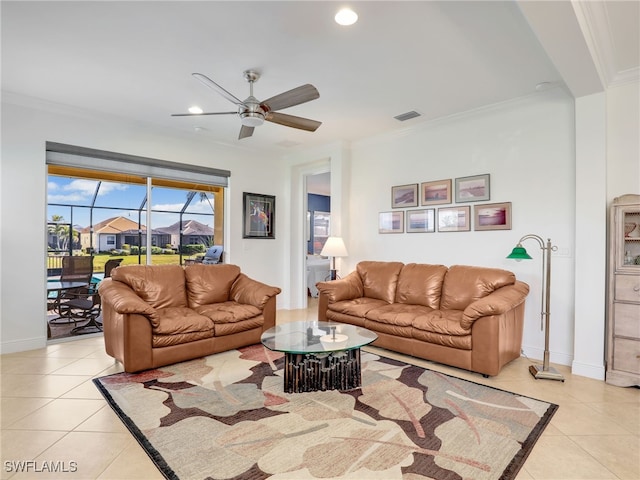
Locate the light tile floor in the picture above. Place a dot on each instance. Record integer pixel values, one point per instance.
(51, 412)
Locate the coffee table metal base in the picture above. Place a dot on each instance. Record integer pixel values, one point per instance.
(312, 372)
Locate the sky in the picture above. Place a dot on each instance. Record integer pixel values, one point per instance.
(122, 196)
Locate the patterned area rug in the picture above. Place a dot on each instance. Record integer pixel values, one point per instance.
(226, 417)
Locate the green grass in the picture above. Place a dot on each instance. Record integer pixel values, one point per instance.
(100, 260)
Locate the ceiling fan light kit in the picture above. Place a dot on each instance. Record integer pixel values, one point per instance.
(253, 113)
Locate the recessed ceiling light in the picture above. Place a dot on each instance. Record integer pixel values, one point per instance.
(195, 109)
(346, 16)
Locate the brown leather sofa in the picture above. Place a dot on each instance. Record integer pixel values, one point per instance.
(155, 315)
(463, 316)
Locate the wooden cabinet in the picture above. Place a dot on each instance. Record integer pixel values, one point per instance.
(623, 312)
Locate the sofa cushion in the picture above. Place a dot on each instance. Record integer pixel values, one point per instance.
(228, 312)
(446, 322)
(161, 286)
(208, 284)
(379, 279)
(358, 307)
(465, 284)
(397, 314)
(342, 289)
(247, 291)
(177, 320)
(159, 341)
(420, 284)
(461, 342)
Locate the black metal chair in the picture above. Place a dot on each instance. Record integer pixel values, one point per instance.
(77, 269)
(110, 265)
(86, 304)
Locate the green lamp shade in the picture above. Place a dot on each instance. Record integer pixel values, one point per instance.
(519, 253)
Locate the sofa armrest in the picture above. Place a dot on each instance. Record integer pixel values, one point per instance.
(498, 302)
(343, 289)
(247, 291)
(123, 299)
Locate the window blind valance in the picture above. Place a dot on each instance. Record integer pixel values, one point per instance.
(87, 158)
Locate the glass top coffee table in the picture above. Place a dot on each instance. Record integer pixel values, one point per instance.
(319, 355)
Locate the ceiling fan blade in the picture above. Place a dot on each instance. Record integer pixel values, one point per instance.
(213, 85)
(245, 132)
(293, 121)
(203, 113)
(302, 94)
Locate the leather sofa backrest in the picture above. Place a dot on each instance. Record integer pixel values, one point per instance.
(420, 284)
(465, 284)
(160, 286)
(207, 284)
(379, 279)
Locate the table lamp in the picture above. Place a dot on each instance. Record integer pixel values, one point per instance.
(334, 247)
(520, 253)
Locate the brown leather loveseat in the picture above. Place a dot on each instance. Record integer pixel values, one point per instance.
(463, 316)
(155, 315)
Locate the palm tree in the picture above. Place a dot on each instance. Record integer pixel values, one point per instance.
(203, 197)
(59, 230)
(64, 233)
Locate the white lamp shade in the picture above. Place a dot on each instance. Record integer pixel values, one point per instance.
(334, 247)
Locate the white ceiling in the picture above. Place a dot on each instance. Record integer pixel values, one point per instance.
(134, 59)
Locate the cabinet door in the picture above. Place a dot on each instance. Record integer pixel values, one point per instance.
(627, 238)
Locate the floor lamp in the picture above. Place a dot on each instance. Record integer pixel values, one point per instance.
(334, 247)
(520, 253)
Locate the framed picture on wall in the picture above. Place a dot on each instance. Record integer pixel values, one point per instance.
(454, 219)
(473, 189)
(435, 193)
(492, 216)
(258, 215)
(421, 221)
(391, 222)
(404, 196)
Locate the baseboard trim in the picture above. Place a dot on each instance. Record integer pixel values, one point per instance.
(586, 370)
(23, 345)
(537, 354)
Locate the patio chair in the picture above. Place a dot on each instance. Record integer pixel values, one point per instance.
(74, 269)
(86, 305)
(110, 265)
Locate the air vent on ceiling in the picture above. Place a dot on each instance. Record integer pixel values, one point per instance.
(407, 116)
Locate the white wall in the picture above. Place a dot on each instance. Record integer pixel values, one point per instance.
(27, 125)
(527, 146)
(623, 140)
(591, 237)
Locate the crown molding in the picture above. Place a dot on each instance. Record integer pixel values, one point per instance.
(597, 29)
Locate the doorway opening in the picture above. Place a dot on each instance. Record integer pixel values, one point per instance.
(318, 229)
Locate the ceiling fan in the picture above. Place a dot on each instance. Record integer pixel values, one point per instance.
(253, 112)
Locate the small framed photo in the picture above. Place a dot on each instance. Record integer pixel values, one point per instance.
(454, 219)
(391, 222)
(473, 189)
(435, 193)
(492, 216)
(423, 220)
(258, 215)
(404, 196)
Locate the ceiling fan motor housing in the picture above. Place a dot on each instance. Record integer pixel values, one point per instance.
(251, 113)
